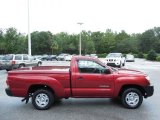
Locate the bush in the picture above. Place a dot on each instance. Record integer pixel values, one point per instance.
(102, 55)
(140, 55)
(158, 58)
(135, 55)
(151, 55)
(145, 56)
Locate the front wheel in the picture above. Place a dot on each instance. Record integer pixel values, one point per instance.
(42, 99)
(132, 98)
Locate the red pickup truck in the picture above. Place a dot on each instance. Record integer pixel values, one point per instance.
(85, 78)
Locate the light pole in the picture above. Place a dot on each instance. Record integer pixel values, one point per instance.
(29, 35)
(80, 38)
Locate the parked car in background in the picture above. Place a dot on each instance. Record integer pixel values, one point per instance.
(14, 61)
(61, 57)
(94, 55)
(68, 57)
(52, 58)
(115, 60)
(49, 58)
(130, 58)
(1, 59)
(44, 57)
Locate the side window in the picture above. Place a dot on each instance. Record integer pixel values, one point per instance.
(18, 57)
(32, 58)
(25, 57)
(86, 66)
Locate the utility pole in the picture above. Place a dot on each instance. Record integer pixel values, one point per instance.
(80, 41)
(29, 34)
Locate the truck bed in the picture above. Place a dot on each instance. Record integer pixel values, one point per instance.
(39, 69)
(23, 78)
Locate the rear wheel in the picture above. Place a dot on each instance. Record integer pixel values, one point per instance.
(42, 99)
(132, 98)
(39, 63)
(21, 66)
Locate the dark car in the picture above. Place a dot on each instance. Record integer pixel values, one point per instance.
(52, 58)
(49, 58)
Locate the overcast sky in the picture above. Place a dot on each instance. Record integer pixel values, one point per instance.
(133, 16)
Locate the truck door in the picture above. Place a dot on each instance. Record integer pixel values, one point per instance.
(90, 81)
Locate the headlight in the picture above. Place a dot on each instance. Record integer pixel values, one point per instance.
(149, 80)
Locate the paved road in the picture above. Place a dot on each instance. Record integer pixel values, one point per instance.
(12, 108)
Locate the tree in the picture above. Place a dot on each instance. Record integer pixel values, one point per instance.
(151, 55)
(2, 43)
(87, 43)
(42, 42)
(98, 43)
(108, 41)
(147, 41)
(13, 41)
(121, 41)
(157, 41)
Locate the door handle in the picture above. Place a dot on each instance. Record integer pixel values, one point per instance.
(80, 78)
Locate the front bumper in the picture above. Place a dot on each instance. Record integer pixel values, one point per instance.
(113, 64)
(8, 92)
(148, 91)
(10, 66)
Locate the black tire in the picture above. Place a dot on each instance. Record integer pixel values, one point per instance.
(21, 66)
(120, 65)
(42, 99)
(132, 98)
(39, 63)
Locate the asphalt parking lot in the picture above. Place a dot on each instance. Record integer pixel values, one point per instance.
(85, 109)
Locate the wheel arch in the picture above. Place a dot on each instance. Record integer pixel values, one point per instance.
(36, 87)
(124, 87)
(22, 64)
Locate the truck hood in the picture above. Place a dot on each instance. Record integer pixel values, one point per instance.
(131, 72)
(114, 58)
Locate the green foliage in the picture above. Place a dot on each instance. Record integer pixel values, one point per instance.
(140, 55)
(145, 56)
(151, 55)
(42, 43)
(14, 42)
(45, 42)
(147, 41)
(102, 55)
(2, 43)
(158, 58)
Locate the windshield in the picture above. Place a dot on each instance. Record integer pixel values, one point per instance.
(1, 57)
(114, 55)
(8, 57)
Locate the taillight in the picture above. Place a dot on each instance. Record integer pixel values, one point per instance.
(13, 62)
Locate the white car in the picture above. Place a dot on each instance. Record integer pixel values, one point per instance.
(129, 58)
(68, 58)
(93, 55)
(115, 60)
(61, 57)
